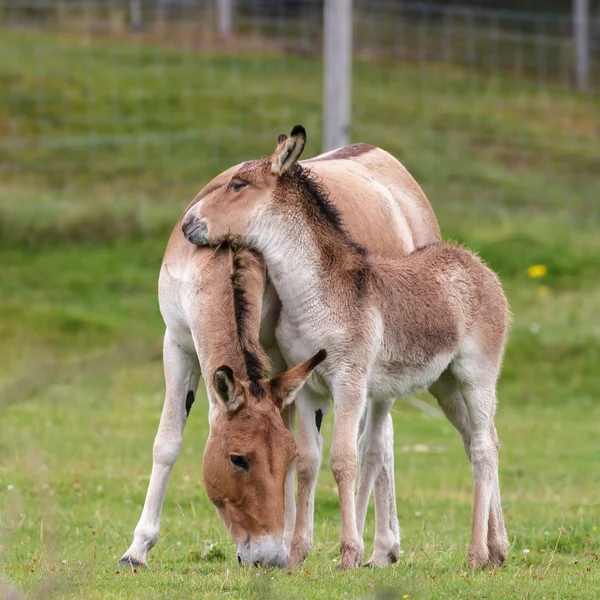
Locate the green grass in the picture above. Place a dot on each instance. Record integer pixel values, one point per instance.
(511, 170)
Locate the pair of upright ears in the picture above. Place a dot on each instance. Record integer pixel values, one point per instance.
(288, 151)
(281, 389)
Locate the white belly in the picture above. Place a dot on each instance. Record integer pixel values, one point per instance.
(387, 382)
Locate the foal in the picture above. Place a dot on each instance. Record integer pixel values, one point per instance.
(436, 319)
(211, 301)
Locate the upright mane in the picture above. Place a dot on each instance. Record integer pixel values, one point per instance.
(246, 266)
(318, 195)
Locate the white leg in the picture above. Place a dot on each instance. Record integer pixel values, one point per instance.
(181, 378)
(349, 403)
(289, 419)
(386, 549)
(308, 461)
(447, 392)
(371, 454)
(288, 416)
(497, 538)
(481, 404)
(482, 400)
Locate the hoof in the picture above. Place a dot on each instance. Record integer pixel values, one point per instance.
(497, 557)
(299, 551)
(129, 562)
(351, 556)
(295, 562)
(478, 558)
(383, 559)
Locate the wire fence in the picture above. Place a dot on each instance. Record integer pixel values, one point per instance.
(148, 99)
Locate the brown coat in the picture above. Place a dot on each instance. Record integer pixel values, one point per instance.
(436, 319)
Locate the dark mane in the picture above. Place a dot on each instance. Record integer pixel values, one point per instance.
(318, 195)
(254, 357)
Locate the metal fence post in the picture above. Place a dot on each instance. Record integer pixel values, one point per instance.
(135, 14)
(225, 16)
(581, 35)
(337, 72)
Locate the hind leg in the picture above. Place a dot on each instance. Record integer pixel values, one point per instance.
(386, 549)
(376, 470)
(497, 538)
(447, 392)
(450, 398)
(480, 399)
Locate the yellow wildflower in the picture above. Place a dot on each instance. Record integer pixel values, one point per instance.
(595, 528)
(536, 271)
(405, 596)
(543, 291)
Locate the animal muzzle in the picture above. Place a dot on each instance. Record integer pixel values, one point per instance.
(195, 230)
(263, 552)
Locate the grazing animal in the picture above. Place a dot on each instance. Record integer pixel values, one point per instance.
(435, 319)
(385, 211)
(212, 306)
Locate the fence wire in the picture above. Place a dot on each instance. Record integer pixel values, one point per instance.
(147, 99)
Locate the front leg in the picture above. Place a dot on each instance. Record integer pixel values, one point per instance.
(387, 533)
(308, 461)
(289, 417)
(181, 377)
(349, 403)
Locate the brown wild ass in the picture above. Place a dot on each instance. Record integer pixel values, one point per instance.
(435, 319)
(384, 209)
(212, 303)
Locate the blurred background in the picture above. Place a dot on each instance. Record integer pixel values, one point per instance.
(113, 114)
(122, 109)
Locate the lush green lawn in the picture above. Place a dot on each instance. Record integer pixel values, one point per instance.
(511, 171)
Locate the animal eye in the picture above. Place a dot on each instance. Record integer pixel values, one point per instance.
(239, 461)
(237, 185)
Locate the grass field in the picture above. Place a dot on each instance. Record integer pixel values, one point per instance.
(130, 133)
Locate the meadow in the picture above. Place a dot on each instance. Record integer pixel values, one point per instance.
(125, 136)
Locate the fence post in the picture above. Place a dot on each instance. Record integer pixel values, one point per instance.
(337, 72)
(135, 14)
(225, 16)
(581, 35)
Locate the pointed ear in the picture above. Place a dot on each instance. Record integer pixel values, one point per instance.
(283, 387)
(288, 150)
(228, 389)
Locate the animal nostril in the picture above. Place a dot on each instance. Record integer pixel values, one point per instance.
(239, 560)
(256, 563)
(195, 230)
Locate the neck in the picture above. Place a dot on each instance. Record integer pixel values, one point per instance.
(248, 281)
(305, 255)
(234, 339)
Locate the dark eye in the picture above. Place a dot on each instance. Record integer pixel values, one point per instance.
(239, 461)
(237, 185)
